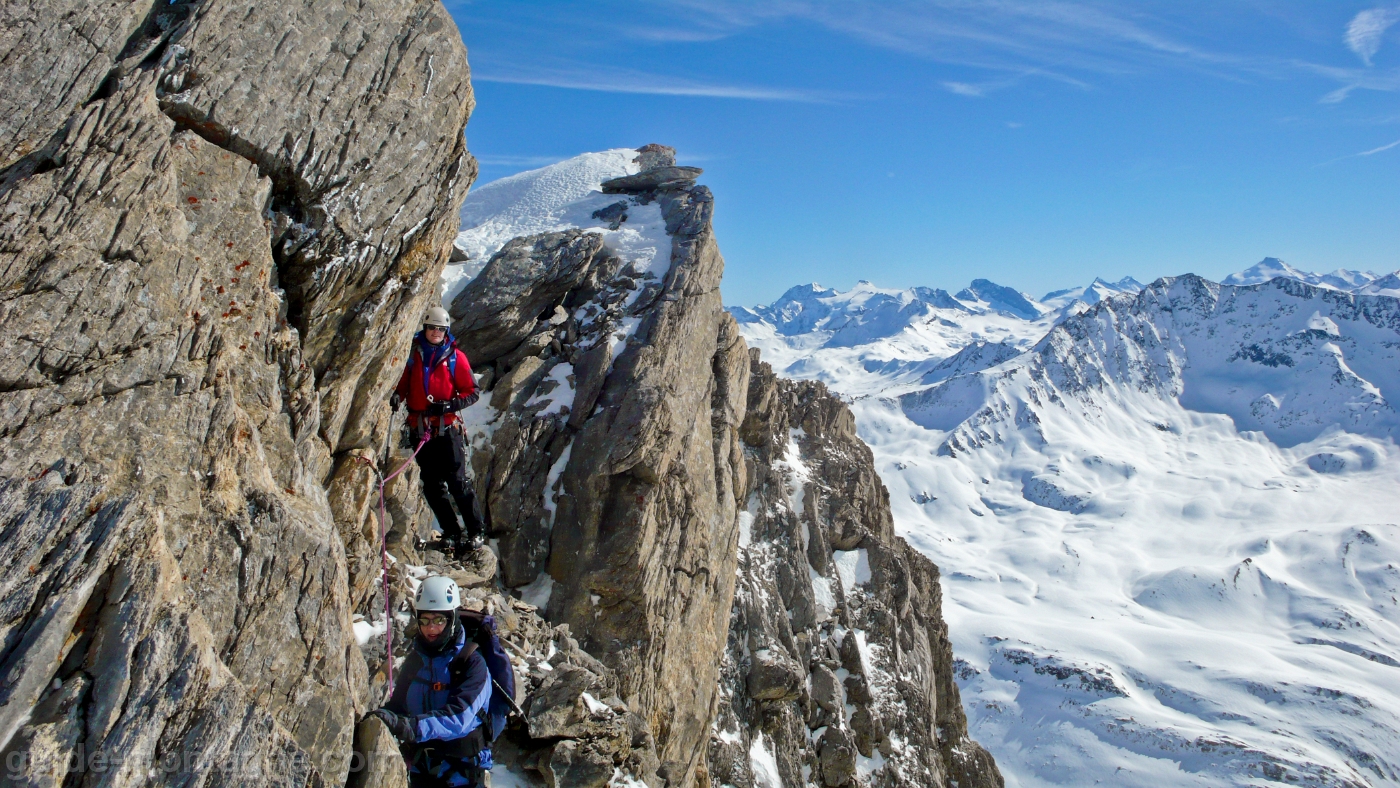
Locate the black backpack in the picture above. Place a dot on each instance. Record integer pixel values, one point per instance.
(502, 701)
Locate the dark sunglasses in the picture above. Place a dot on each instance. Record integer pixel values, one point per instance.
(432, 620)
(434, 328)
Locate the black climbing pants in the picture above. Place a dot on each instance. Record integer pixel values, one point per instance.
(446, 475)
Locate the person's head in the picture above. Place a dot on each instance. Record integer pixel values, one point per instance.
(435, 324)
(435, 605)
(431, 624)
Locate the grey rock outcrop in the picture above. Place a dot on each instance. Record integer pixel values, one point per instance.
(613, 468)
(656, 179)
(838, 664)
(376, 762)
(218, 223)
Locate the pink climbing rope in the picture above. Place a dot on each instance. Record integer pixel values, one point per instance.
(384, 565)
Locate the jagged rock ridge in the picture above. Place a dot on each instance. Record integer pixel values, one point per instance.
(218, 224)
(838, 670)
(625, 425)
(611, 463)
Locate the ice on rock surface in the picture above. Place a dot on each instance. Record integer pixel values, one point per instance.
(1168, 519)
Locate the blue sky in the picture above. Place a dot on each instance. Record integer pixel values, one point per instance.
(1038, 143)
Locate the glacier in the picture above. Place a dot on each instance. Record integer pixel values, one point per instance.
(1167, 514)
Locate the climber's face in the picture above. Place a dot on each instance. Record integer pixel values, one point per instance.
(431, 625)
(434, 334)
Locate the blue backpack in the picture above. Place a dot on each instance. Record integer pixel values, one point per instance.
(502, 702)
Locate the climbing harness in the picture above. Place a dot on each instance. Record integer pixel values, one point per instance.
(384, 562)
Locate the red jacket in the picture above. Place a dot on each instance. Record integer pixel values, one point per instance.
(441, 384)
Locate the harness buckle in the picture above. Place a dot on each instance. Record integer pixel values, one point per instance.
(439, 686)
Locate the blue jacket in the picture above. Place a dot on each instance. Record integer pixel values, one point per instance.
(445, 694)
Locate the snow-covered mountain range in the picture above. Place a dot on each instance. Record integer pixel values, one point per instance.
(1166, 513)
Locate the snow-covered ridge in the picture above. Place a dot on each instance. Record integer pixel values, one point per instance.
(557, 197)
(1097, 291)
(1346, 280)
(866, 339)
(1285, 358)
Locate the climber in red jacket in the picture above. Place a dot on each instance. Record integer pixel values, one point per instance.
(436, 383)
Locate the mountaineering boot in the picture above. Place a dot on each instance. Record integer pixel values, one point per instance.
(468, 545)
(447, 545)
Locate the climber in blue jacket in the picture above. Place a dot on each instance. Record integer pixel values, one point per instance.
(440, 700)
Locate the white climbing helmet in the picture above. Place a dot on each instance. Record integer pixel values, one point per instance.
(437, 593)
(437, 316)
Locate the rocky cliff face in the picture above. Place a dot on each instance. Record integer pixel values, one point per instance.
(838, 669)
(218, 224)
(637, 461)
(610, 460)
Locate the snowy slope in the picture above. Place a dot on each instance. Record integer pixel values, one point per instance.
(1167, 526)
(551, 198)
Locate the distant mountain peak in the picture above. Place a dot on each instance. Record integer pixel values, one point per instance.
(1269, 268)
(1000, 297)
(1097, 290)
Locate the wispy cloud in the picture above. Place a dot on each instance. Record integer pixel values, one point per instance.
(669, 34)
(1366, 30)
(611, 80)
(1363, 153)
(988, 45)
(1374, 151)
(965, 89)
(1354, 79)
(1076, 42)
(982, 88)
(1049, 37)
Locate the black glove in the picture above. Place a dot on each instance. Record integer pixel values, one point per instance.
(394, 400)
(460, 403)
(402, 727)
